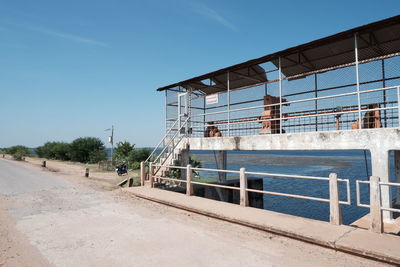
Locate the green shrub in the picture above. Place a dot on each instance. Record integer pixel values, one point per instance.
(18, 152)
(134, 165)
(176, 173)
(87, 150)
(139, 154)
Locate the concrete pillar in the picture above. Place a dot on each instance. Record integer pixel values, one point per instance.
(335, 215)
(380, 168)
(221, 157)
(397, 170)
(142, 173)
(151, 174)
(244, 196)
(184, 162)
(189, 185)
(375, 202)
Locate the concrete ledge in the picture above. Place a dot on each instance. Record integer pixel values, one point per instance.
(348, 239)
(370, 139)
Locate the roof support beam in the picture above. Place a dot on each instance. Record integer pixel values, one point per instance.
(247, 77)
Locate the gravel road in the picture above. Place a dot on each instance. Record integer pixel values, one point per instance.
(59, 219)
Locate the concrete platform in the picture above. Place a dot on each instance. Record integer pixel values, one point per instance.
(382, 247)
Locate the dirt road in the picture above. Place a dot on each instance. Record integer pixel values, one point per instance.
(62, 219)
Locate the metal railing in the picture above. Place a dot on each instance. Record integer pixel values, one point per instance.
(376, 207)
(333, 200)
(161, 142)
(169, 145)
(386, 107)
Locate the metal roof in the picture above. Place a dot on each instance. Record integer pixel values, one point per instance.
(376, 39)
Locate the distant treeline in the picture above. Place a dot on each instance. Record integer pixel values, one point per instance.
(83, 149)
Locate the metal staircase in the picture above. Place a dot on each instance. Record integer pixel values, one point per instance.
(167, 152)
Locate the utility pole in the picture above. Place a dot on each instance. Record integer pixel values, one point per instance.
(111, 140)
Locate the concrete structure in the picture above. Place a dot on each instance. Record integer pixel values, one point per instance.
(341, 92)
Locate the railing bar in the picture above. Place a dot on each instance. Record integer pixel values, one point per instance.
(169, 166)
(214, 170)
(169, 179)
(287, 195)
(217, 185)
(297, 117)
(390, 209)
(289, 176)
(389, 184)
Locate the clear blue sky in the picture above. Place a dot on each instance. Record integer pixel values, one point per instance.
(73, 68)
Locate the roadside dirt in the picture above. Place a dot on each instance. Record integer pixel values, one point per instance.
(15, 249)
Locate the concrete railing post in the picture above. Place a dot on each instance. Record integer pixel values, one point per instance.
(335, 215)
(189, 185)
(142, 173)
(87, 172)
(151, 175)
(44, 164)
(244, 197)
(375, 203)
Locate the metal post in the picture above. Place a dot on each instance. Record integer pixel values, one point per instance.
(166, 112)
(375, 203)
(189, 185)
(398, 104)
(179, 108)
(229, 104)
(142, 173)
(112, 142)
(204, 116)
(357, 81)
(187, 111)
(244, 198)
(280, 96)
(384, 91)
(335, 216)
(316, 101)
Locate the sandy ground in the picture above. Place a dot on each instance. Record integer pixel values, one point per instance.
(63, 219)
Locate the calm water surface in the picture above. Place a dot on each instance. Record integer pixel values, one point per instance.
(347, 164)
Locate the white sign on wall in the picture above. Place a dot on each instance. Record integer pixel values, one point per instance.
(212, 99)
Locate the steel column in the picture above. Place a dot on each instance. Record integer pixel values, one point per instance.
(280, 96)
(229, 104)
(357, 81)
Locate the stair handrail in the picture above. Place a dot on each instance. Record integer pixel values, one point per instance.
(177, 132)
(162, 140)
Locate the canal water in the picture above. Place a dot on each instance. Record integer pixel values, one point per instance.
(347, 164)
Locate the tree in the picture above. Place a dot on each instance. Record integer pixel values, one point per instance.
(87, 150)
(122, 151)
(54, 150)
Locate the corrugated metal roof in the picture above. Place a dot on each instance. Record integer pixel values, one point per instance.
(374, 40)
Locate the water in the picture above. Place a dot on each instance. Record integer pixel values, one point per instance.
(347, 164)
